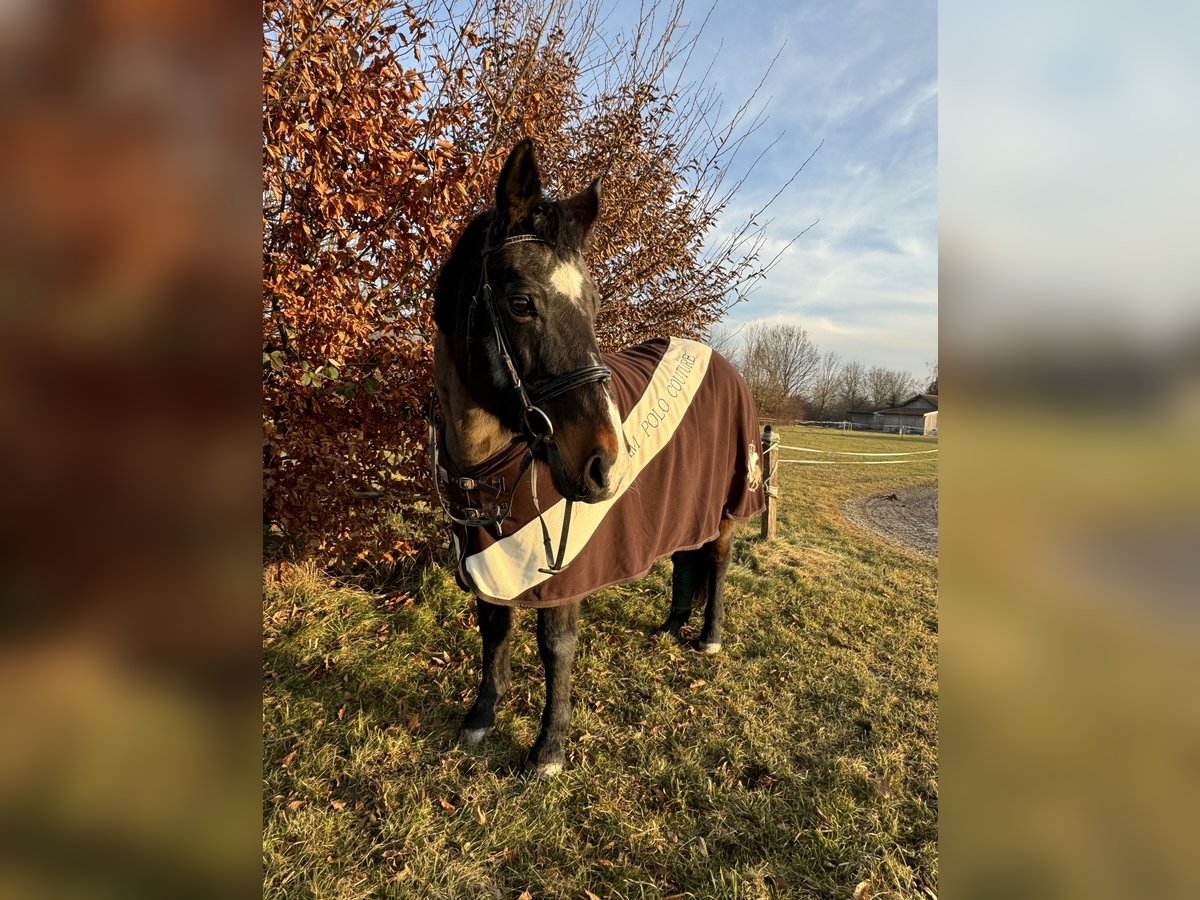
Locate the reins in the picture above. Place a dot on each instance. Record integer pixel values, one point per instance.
(538, 427)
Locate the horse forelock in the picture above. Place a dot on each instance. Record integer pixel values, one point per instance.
(549, 221)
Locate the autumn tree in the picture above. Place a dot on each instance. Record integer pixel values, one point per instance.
(384, 126)
(356, 207)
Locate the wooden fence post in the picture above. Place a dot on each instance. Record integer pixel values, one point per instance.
(770, 457)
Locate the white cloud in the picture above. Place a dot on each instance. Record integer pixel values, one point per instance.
(863, 78)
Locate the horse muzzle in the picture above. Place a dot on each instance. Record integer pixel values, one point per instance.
(598, 477)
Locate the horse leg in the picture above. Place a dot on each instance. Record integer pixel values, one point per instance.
(495, 627)
(557, 631)
(719, 551)
(687, 581)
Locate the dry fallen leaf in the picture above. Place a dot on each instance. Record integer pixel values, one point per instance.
(287, 760)
(863, 891)
(339, 804)
(699, 682)
(525, 895)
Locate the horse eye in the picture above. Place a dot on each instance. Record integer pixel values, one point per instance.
(520, 305)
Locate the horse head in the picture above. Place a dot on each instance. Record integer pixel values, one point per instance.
(516, 312)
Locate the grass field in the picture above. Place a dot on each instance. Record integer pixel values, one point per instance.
(799, 762)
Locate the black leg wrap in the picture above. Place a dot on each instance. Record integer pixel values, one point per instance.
(688, 578)
(684, 580)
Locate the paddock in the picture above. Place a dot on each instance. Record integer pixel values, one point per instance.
(801, 761)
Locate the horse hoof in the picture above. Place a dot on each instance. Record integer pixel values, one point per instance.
(469, 737)
(708, 649)
(547, 770)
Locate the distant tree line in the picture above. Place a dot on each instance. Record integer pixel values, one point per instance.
(791, 378)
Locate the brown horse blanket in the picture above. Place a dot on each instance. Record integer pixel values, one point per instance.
(694, 438)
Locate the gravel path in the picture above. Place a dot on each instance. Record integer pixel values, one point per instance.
(908, 517)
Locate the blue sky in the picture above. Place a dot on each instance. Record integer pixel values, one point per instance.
(861, 80)
(862, 77)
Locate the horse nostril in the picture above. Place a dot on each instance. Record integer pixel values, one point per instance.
(597, 471)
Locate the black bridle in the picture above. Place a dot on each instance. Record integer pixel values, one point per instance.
(539, 430)
(543, 429)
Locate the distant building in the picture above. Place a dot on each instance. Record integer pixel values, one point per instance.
(909, 416)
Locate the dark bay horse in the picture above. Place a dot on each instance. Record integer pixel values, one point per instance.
(563, 469)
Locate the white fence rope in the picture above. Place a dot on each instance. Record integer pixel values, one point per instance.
(855, 452)
(852, 462)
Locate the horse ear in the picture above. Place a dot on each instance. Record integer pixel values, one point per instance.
(520, 184)
(584, 207)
